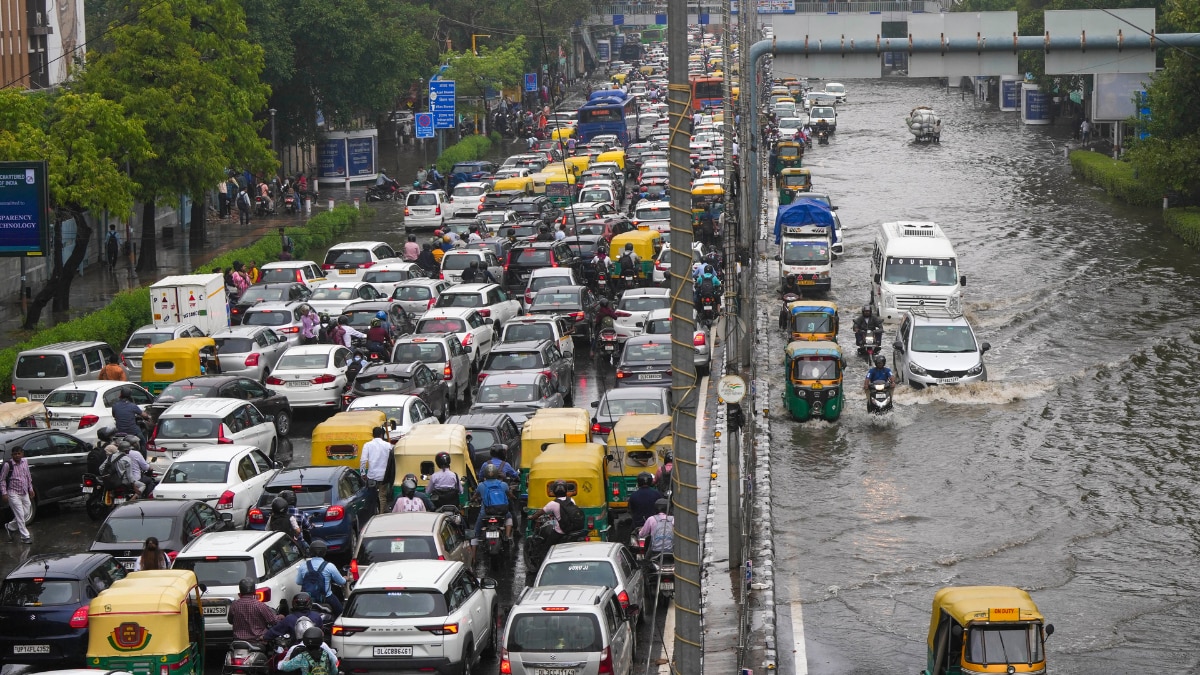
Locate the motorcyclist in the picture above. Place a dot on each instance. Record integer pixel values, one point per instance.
(499, 459)
(378, 340)
(139, 468)
(444, 486)
(642, 501)
(408, 502)
(493, 500)
(126, 414)
(867, 321)
(300, 517)
(785, 317)
(601, 263)
(311, 656)
(708, 285)
(249, 616)
(605, 317)
(282, 521)
(317, 565)
(384, 321)
(348, 332)
(879, 373)
(386, 181)
(659, 529)
(544, 234)
(630, 263)
(301, 618)
(423, 495)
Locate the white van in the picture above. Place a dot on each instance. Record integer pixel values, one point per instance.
(914, 265)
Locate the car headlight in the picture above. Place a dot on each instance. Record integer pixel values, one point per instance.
(954, 304)
(889, 301)
(976, 369)
(916, 370)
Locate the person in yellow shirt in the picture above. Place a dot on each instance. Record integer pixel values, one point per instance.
(254, 272)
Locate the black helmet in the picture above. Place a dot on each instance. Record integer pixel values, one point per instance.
(288, 496)
(318, 548)
(490, 471)
(629, 247)
(661, 505)
(344, 320)
(604, 302)
(866, 310)
(442, 460)
(279, 506)
(880, 360)
(560, 488)
(644, 479)
(313, 638)
(409, 487)
(499, 452)
(301, 602)
(105, 434)
(246, 586)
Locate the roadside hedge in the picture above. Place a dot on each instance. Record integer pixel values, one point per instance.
(130, 310)
(1185, 223)
(1116, 177)
(469, 148)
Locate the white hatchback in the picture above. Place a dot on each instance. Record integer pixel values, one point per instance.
(311, 375)
(229, 478)
(83, 408)
(407, 410)
(209, 422)
(638, 303)
(472, 330)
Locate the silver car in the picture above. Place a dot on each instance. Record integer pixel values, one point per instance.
(581, 625)
(131, 355)
(444, 355)
(249, 351)
(937, 348)
(418, 295)
(658, 322)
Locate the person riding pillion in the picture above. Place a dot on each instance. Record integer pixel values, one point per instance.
(317, 576)
(444, 485)
(659, 529)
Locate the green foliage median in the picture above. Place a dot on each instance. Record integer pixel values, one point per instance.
(1116, 177)
(1184, 222)
(469, 148)
(130, 310)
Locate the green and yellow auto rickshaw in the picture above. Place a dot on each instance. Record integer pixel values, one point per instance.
(636, 443)
(546, 427)
(562, 189)
(793, 181)
(582, 467)
(416, 453)
(814, 380)
(985, 629)
(812, 320)
(148, 623)
(788, 154)
(178, 359)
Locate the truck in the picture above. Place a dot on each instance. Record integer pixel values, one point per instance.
(805, 234)
(198, 299)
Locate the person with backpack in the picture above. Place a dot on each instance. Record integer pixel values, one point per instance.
(317, 576)
(112, 247)
(469, 275)
(568, 517)
(288, 247)
(16, 488)
(243, 206)
(311, 656)
(493, 501)
(630, 265)
(707, 285)
(659, 530)
(281, 520)
(301, 618)
(357, 362)
(116, 471)
(408, 502)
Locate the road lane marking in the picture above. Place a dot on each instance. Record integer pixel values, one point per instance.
(668, 641)
(801, 655)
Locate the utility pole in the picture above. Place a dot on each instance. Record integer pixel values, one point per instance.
(688, 638)
(473, 36)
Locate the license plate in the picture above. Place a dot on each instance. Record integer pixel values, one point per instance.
(126, 564)
(31, 649)
(354, 271)
(491, 534)
(667, 586)
(87, 489)
(60, 424)
(392, 651)
(121, 500)
(37, 397)
(947, 380)
(609, 348)
(215, 610)
(708, 308)
(176, 454)
(301, 383)
(648, 376)
(807, 282)
(555, 671)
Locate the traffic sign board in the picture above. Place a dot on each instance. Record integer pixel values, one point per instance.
(441, 103)
(530, 81)
(424, 125)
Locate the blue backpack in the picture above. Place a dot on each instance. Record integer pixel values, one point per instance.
(495, 493)
(313, 581)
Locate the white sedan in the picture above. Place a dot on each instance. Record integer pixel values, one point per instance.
(230, 478)
(408, 411)
(311, 375)
(83, 408)
(331, 297)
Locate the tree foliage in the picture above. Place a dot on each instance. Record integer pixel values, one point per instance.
(493, 68)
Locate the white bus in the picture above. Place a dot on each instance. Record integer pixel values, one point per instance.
(914, 265)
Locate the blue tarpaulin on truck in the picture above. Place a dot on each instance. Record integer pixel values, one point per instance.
(804, 212)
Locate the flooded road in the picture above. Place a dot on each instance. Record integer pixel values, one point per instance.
(1071, 473)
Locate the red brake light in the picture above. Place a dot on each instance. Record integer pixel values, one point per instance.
(624, 598)
(482, 377)
(80, 618)
(698, 340)
(444, 629)
(226, 500)
(407, 212)
(221, 438)
(87, 421)
(323, 379)
(598, 428)
(505, 664)
(347, 630)
(430, 304)
(485, 312)
(263, 594)
(299, 276)
(252, 360)
(290, 329)
(620, 374)
(578, 316)
(324, 267)
(606, 662)
(448, 372)
(256, 517)
(354, 569)
(335, 513)
(366, 265)
(528, 297)
(274, 380)
(466, 342)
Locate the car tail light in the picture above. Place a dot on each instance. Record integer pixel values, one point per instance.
(447, 372)
(80, 618)
(624, 598)
(578, 316)
(430, 304)
(437, 210)
(226, 500)
(407, 212)
(323, 379)
(661, 266)
(553, 261)
(171, 555)
(598, 428)
(299, 276)
(620, 374)
(366, 265)
(528, 297)
(444, 629)
(347, 630)
(505, 664)
(87, 421)
(482, 377)
(698, 340)
(354, 569)
(548, 374)
(335, 513)
(507, 260)
(222, 439)
(324, 267)
(252, 360)
(289, 329)
(606, 661)
(256, 517)
(485, 312)
(90, 482)
(274, 380)
(466, 342)
(263, 594)
(150, 445)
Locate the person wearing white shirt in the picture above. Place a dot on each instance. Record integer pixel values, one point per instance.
(376, 459)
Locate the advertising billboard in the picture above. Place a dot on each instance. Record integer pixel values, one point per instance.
(24, 200)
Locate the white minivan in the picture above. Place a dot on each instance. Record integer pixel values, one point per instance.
(914, 265)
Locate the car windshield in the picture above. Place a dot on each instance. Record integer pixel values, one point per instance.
(334, 294)
(556, 299)
(575, 572)
(197, 472)
(442, 326)
(519, 332)
(1003, 644)
(645, 303)
(821, 111)
(596, 195)
(658, 327)
(181, 390)
(482, 438)
(307, 496)
(524, 207)
(812, 322)
(38, 592)
(468, 191)
(187, 427)
(632, 406)
(348, 256)
(132, 527)
(303, 361)
(383, 549)
(256, 293)
(266, 318)
(385, 276)
(425, 352)
(814, 368)
(425, 199)
(219, 571)
(459, 262)
(647, 351)
(405, 604)
(507, 393)
(549, 281)
(943, 339)
(143, 340)
(411, 293)
(533, 257)
(796, 253)
(70, 398)
(514, 361)
(361, 318)
(491, 217)
(555, 632)
(383, 384)
(920, 271)
(795, 180)
(459, 300)
(234, 345)
(41, 365)
(656, 213)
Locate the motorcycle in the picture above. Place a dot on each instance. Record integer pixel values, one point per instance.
(102, 499)
(291, 205)
(606, 346)
(879, 397)
(385, 192)
(870, 346)
(263, 207)
(245, 658)
(708, 310)
(660, 573)
(823, 137)
(543, 537)
(495, 543)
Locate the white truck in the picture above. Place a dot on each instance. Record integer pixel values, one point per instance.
(198, 299)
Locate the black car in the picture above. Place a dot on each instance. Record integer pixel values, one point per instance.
(499, 200)
(227, 386)
(645, 361)
(57, 462)
(414, 378)
(585, 246)
(537, 208)
(489, 430)
(277, 292)
(577, 302)
(44, 607)
(523, 259)
(362, 313)
(175, 522)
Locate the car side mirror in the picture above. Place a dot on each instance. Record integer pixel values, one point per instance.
(984, 347)
(1049, 629)
(278, 465)
(876, 278)
(488, 583)
(778, 258)
(392, 425)
(833, 208)
(594, 404)
(227, 517)
(962, 281)
(898, 345)
(466, 349)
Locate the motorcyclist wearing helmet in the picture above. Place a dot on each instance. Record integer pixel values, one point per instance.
(408, 502)
(444, 485)
(348, 332)
(559, 488)
(601, 263)
(499, 459)
(492, 494)
(282, 521)
(707, 285)
(299, 516)
(867, 321)
(631, 263)
(606, 316)
(317, 563)
(641, 502)
(879, 373)
(302, 608)
(544, 234)
(659, 529)
(384, 321)
(249, 616)
(311, 656)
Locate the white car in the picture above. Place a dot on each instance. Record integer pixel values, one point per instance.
(457, 260)
(599, 191)
(468, 197)
(837, 89)
(208, 422)
(472, 329)
(498, 220)
(386, 276)
(548, 277)
(332, 297)
(398, 617)
(418, 295)
(229, 478)
(306, 272)
(555, 328)
(349, 260)
(311, 375)
(429, 209)
(444, 354)
(408, 411)
(492, 301)
(85, 407)
(638, 303)
(655, 215)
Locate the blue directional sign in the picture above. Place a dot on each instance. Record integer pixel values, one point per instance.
(424, 125)
(530, 81)
(441, 103)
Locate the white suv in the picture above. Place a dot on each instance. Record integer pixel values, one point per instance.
(638, 303)
(348, 261)
(492, 301)
(936, 347)
(222, 559)
(418, 614)
(198, 422)
(429, 209)
(468, 325)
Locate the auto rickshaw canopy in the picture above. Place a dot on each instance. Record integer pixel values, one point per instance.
(972, 604)
(549, 426)
(789, 149)
(646, 243)
(580, 465)
(627, 443)
(135, 613)
(800, 348)
(796, 178)
(562, 133)
(415, 452)
(577, 164)
(339, 439)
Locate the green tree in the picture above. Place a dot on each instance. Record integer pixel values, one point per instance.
(85, 141)
(493, 68)
(189, 72)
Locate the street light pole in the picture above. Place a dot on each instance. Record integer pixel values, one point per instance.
(274, 142)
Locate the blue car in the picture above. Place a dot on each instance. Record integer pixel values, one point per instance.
(335, 498)
(44, 607)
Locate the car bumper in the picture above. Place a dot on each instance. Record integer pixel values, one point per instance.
(254, 373)
(424, 221)
(68, 649)
(932, 380)
(402, 665)
(310, 397)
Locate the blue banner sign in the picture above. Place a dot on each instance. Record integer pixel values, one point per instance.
(331, 158)
(361, 155)
(441, 103)
(24, 199)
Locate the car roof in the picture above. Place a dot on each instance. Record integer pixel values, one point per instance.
(934, 316)
(535, 597)
(306, 475)
(644, 339)
(313, 349)
(342, 284)
(515, 377)
(274, 306)
(479, 420)
(93, 385)
(420, 522)
(232, 541)
(449, 313)
(425, 337)
(552, 272)
(631, 393)
(368, 305)
(152, 507)
(215, 453)
(645, 292)
(200, 406)
(230, 331)
(215, 380)
(382, 401)
(418, 281)
(471, 288)
(584, 550)
(389, 369)
(73, 565)
(287, 264)
(410, 573)
(367, 244)
(392, 266)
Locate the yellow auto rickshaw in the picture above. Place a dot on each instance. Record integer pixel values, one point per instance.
(812, 320)
(416, 453)
(636, 443)
(25, 414)
(516, 183)
(339, 439)
(178, 359)
(562, 133)
(582, 467)
(618, 80)
(616, 156)
(788, 154)
(736, 92)
(546, 427)
(148, 623)
(562, 189)
(793, 181)
(577, 164)
(647, 244)
(707, 195)
(985, 629)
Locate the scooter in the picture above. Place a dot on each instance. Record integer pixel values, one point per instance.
(245, 658)
(291, 205)
(708, 310)
(543, 537)
(262, 207)
(660, 574)
(879, 397)
(606, 346)
(101, 500)
(493, 538)
(823, 137)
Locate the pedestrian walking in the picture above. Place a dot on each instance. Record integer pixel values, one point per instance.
(16, 487)
(1085, 131)
(113, 371)
(243, 207)
(112, 247)
(223, 198)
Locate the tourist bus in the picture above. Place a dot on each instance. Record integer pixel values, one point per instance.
(608, 111)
